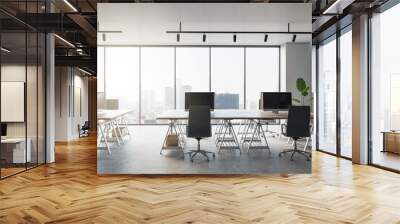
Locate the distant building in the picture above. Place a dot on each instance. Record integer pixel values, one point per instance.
(169, 97)
(226, 101)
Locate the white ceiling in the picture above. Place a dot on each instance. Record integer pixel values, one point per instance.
(147, 23)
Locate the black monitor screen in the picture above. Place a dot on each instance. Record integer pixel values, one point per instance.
(3, 129)
(276, 100)
(199, 98)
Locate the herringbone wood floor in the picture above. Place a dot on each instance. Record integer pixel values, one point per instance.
(70, 191)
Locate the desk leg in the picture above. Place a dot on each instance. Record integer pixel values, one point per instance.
(258, 130)
(119, 131)
(103, 136)
(231, 132)
(172, 130)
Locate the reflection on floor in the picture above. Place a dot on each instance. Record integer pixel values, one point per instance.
(5, 172)
(141, 156)
(386, 159)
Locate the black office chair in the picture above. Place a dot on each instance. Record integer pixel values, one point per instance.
(297, 126)
(199, 127)
(84, 130)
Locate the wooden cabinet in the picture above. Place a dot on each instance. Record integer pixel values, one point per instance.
(391, 142)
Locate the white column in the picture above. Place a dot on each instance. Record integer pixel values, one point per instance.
(50, 100)
(360, 90)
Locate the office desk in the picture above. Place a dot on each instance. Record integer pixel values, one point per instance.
(226, 136)
(16, 154)
(112, 121)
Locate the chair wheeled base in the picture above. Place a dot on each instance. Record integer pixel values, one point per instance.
(295, 150)
(193, 153)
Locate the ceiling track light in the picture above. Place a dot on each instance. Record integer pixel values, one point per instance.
(85, 72)
(5, 50)
(204, 37)
(266, 38)
(294, 38)
(70, 5)
(332, 6)
(65, 41)
(234, 37)
(178, 37)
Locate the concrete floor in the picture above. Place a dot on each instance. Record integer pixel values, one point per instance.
(141, 155)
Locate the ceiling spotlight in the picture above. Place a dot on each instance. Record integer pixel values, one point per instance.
(70, 5)
(178, 37)
(266, 38)
(294, 38)
(234, 37)
(204, 37)
(5, 50)
(104, 37)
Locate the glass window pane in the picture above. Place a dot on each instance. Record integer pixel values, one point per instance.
(31, 101)
(346, 94)
(41, 99)
(100, 69)
(122, 81)
(385, 87)
(13, 75)
(262, 74)
(327, 97)
(157, 76)
(192, 72)
(227, 77)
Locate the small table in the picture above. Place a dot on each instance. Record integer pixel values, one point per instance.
(391, 141)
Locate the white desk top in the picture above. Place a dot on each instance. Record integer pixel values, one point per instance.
(107, 115)
(12, 140)
(227, 115)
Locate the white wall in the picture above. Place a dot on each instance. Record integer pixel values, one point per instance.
(295, 63)
(67, 80)
(147, 23)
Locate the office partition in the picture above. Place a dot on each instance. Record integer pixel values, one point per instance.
(22, 63)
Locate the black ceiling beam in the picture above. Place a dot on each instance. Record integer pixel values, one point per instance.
(77, 61)
(49, 22)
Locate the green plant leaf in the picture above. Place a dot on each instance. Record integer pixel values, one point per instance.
(296, 100)
(301, 84)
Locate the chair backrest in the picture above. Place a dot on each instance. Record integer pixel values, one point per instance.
(86, 125)
(298, 123)
(199, 124)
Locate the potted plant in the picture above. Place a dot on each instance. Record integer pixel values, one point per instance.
(304, 91)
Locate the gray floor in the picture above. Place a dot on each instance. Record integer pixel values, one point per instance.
(141, 156)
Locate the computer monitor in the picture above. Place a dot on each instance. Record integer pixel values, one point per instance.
(276, 100)
(3, 130)
(199, 98)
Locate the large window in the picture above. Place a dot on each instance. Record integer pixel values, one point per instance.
(262, 74)
(346, 94)
(192, 72)
(157, 77)
(327, 96)
(122, 80)
(151, 80)
(227, 77)
(385, 87)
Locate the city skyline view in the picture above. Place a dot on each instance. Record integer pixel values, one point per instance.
(159, 77)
